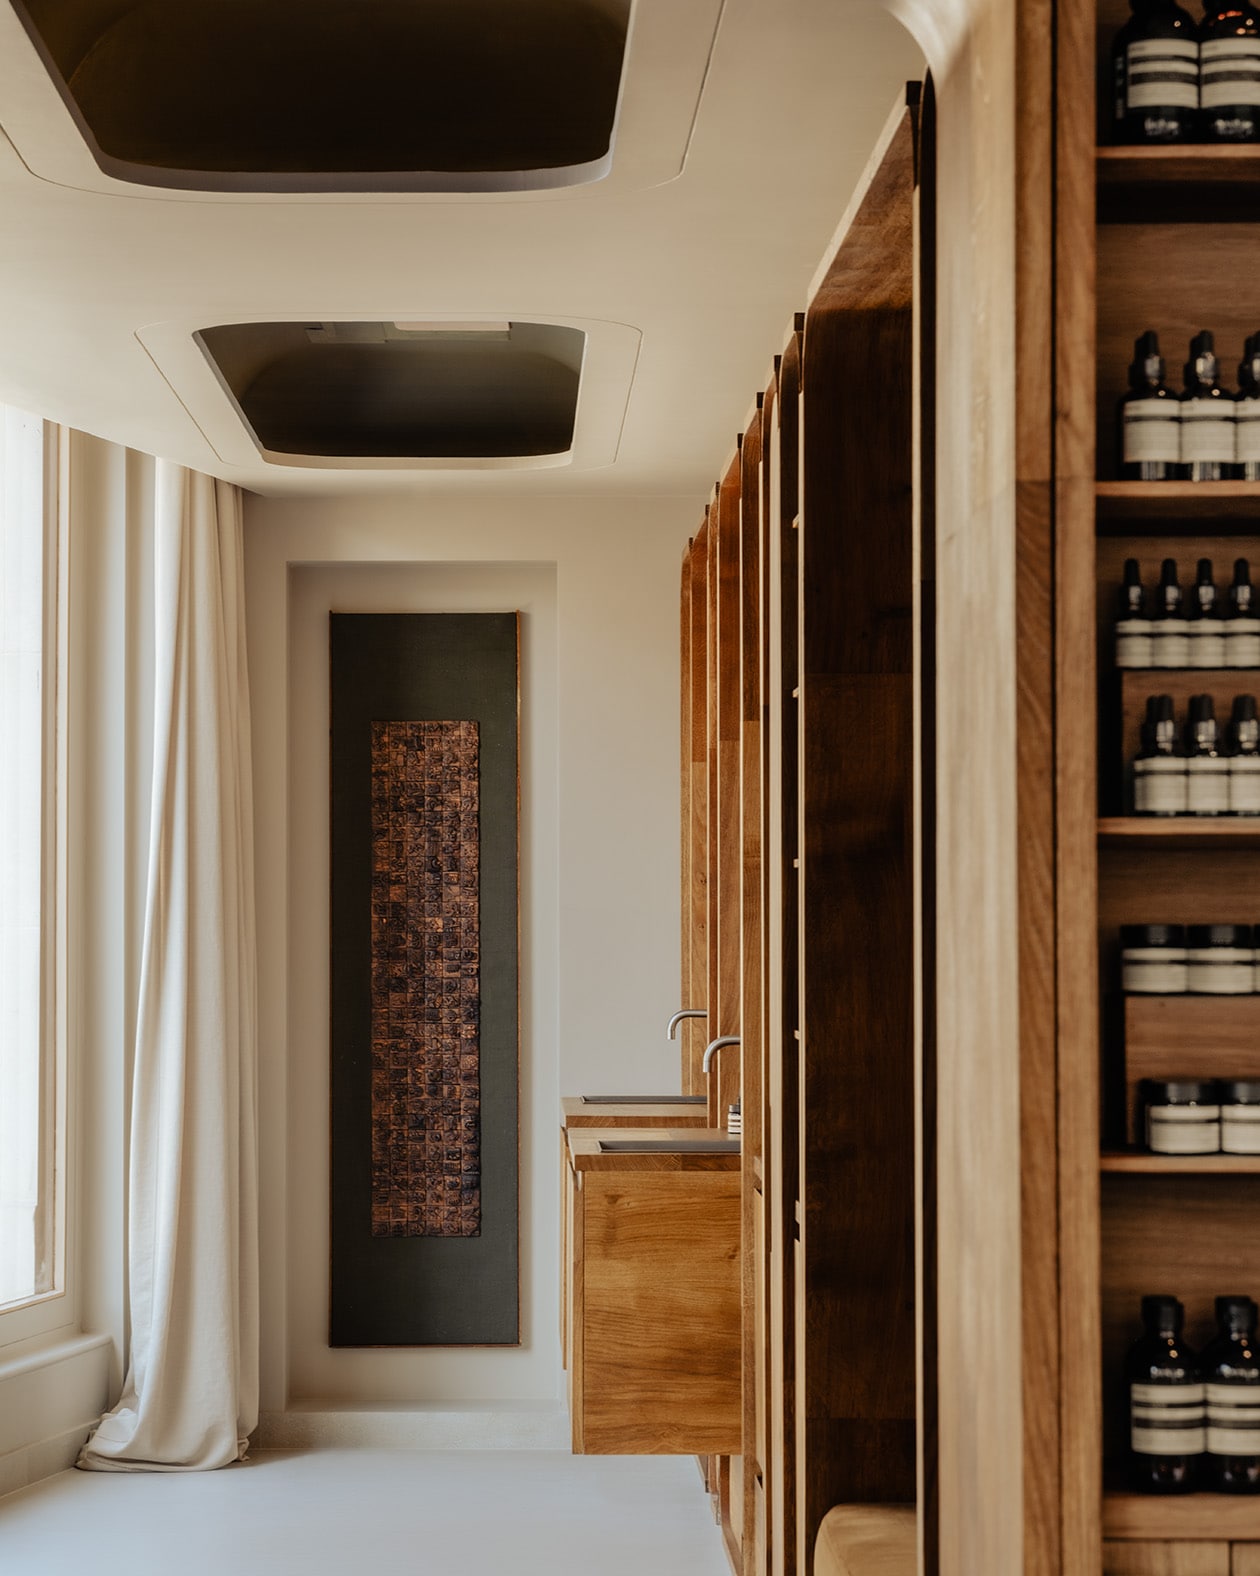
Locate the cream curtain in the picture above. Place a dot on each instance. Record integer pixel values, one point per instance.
(190, 1398)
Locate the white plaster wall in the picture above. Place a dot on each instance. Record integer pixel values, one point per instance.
(597, 583)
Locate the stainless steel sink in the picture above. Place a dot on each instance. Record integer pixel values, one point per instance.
(644, 1099)
(669, 1146)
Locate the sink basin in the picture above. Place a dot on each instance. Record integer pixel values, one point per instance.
(644, 1099)
(669, 1146)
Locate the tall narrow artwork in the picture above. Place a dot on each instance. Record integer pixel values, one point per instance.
(424, 756)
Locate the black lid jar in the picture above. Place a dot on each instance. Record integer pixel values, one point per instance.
(1220, 960)
(1240, 1115)
(1180, 1116)
(1154, 960)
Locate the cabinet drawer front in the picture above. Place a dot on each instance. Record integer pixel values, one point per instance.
(1167, 1559)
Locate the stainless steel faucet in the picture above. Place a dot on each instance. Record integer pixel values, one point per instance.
(714, 1046)
(685, 1012)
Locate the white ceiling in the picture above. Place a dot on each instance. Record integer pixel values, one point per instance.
(685, 281)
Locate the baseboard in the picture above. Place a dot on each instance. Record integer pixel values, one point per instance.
(20, 1468)
(494, 1426)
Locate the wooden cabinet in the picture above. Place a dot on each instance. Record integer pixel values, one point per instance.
(653, 1305)
(1145, 238)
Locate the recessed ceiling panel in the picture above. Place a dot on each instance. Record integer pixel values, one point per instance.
(406, 391)
(340, 95)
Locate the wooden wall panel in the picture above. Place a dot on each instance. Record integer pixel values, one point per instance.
(1167, 1559)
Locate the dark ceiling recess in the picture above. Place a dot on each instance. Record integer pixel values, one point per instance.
(384, 391)
(339, 95)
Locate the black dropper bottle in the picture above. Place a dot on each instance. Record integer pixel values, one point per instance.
(1206, 629)
(1166, 1433)
(1159, 770)
(1207, 416)
(1244, 757)
(1150, 415)
(1229, 71)
(1156, 74)
(1231, 1376)
(1134, 642)
(1169, 639)
(1247, 413)
(1242, 620)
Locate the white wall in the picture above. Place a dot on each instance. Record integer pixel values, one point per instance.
(597, 583)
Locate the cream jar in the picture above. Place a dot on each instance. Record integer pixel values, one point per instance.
(1220, 960)
(1180, 1116)
(1153, 962)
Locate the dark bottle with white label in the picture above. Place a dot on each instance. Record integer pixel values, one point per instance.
(1150, 418)
(1244, 757)
(1229, 71)
(1231, 1381)
(1247, 413)
(1207, 770)
(1205, 629)
(1155, 61)
(1242, 620)
(1170, 642)
(1159, 772)
(1166, 1402)
(1135, 645)
(1207, 416)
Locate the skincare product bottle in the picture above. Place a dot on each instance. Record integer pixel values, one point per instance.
(1135, 646)
(1247, 414)
(1240, 1116)
(1207, 417)
(1230, 1367)
(1220, 960)
(1229, 71)
(1171, 643)
(1207, 770)
(1244, 757)
(1155, 62)
(1205, 629)
(1166, 1402)
(1149, 418)
(1242, 620)
(1153, 961)
(1180, 1116)
(1159, 772)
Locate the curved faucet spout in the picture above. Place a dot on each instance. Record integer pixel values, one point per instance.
(714, 1046)
(685, 1012)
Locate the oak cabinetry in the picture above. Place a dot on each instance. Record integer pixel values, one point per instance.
(1146, 238)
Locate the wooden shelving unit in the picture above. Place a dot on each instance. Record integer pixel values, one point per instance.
(1131, 831)
(1198, 1518)
(1126, 1162)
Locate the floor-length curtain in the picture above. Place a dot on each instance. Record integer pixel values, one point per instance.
(190, 1397)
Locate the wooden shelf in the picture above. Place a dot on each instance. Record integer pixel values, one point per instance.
(1179, 831)
(1192, 163)
(1193, 182)
(1135, 1163)
(1159, 502)
(1206, 1517)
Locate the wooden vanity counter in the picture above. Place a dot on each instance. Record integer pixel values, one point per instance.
(665, 1113)
(653, 1296)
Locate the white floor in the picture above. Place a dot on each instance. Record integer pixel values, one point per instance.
(372, 1513)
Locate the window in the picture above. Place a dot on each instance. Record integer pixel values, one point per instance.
(30, 1072)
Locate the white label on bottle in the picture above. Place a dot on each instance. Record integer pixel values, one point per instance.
(1233, 1419)
(1247, 431)
(1240, 1129)
(1229, 72)
(1134, 646)
(1167, 1419)
(1207, 786)
(1163, 72)
(1171, 643)
(1183, 1130)
(1152, 431)
(1207, 432)
(1205, 643)
(1159, 786)
(1220, 979)
(1242, 643)
(1244, 785)
(1154, 971)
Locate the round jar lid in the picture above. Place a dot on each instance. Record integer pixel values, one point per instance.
(1153, 935)
(1218, 936)
(1179, 1091)
(1240, 1091)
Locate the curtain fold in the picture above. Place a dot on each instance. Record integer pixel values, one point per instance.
(190, 1397)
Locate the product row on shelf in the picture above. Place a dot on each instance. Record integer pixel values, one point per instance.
(1205, 434)
(1171, 628)
(1181, 80)
(1190, 960)
(1194, 1420)
(1196, 769)
(1199, 1116)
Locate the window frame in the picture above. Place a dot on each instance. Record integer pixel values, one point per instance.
(52, 1310)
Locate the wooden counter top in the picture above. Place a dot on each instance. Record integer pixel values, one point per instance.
(665, 1113)
(586, 1154)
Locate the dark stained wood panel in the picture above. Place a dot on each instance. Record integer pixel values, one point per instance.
(426, 980)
